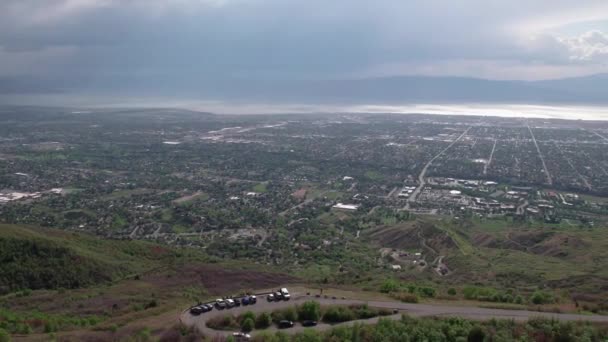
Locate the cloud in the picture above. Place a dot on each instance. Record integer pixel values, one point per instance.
(590, 46)
(193, 41)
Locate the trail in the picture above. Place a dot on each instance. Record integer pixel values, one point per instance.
(520, 209)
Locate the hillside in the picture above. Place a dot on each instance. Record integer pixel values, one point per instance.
(50, 259)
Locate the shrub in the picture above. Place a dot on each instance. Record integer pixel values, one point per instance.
(246, 315)
(285, 314)
(389, 285)
(227, 322)
(4, 336)
(363, 311)
(338, 314)
(452, 291)
(541, 297)
(143, 335)
(263, 321)
(406, 297)
(151, 304)
(247, 324)
(476, 334)
(427, 292)
(310, 310)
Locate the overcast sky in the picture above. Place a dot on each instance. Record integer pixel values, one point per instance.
(304, 39)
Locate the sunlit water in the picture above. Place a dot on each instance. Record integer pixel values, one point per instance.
(571, 112)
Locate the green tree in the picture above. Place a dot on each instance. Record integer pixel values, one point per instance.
(246, 315)
(310, 310)
(247, 324)
(476, 334)
(263, 321)
(4, 336)
(290, 314)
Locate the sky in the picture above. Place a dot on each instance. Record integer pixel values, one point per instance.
(115, 41)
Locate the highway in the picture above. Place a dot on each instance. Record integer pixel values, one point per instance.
(414, 310)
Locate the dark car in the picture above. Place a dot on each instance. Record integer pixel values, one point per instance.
(309, 323)
(245, 301)
(253, 299)
(237, 302)
(209, 307)
(196, 311)
(284, 324)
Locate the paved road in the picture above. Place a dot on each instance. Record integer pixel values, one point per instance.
(421, 181)
(542, 159)
(415, 310)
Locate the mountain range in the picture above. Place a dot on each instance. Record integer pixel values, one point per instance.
(587, 90)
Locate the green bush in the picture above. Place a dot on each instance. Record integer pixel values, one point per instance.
(310, 310)
(338, 314)
(227, 322)
(263, 321)
(246, 315)
(4, 336)
(389, 285)
(363, 311)
(428, 292)
(452, 291)
(247, 324)
(406, 297)
(289, 314)
(476, 334)
(541, 297)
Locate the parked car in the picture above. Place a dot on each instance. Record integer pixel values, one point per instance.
(270, 297)
(253, 299)
(209, 307)
(284, 324)
(245, 300)
(278, 295)
(309, 323)
(220, 304)
(237, 302)
(196, 310)
(229, 303)
(239, 336)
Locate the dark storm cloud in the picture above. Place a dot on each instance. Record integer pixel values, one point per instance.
(189, 40)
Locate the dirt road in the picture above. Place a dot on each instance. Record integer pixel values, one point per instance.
(415, 310)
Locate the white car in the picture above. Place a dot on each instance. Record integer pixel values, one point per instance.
(230, 303)
(285, 294)
(239, 336)
(220, 303)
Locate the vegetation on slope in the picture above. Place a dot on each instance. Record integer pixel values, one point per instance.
(48, 259)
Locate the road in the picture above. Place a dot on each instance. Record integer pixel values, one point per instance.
(542, 158)
(421, 181)
(485, 167)
(414, 310)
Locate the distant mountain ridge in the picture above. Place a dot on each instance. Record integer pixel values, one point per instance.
(385, 90)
